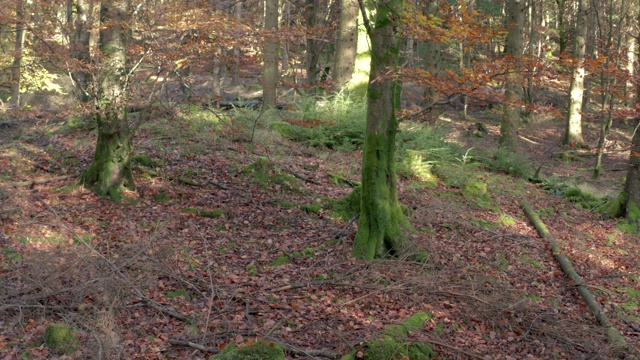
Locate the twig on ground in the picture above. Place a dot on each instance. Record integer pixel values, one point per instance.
(145, 300)
(448, 346)
(459, 295)
(294, 350)
(39, 181)
(178, 342)
(298, 176)
(318, 283)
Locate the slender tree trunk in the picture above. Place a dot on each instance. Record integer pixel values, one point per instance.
(110, 172)
(16, 67)
(632, 185)
(346, 46)
(382, 223)
(270, 69)
(80, 51)
(573, 129)
(513, 87)
(432, 59)
(562, 28)
(235, 72)
(313, 45)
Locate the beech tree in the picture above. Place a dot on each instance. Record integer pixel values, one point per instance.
(17, 56)
(573, 130)
(513, 87)
(270, 52)
(382, 223)
(110, 172)
(347, 43)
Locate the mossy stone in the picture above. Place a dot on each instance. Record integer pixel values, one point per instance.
(260, 350)
(60, 338)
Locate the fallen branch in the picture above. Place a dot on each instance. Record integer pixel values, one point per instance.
(317, 283)
(443, 344)
(178, 342)
(39, 181)
(613, 333)
(298, 176)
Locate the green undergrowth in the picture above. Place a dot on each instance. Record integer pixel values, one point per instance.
(267, 175)
(336, 122)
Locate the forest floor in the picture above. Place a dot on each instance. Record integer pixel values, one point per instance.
(217, 245)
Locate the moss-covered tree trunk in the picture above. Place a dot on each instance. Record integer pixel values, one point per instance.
(632, 186)
(382, 222)
(513, 88)
(110, 172)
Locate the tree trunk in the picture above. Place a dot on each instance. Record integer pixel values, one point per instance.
(16, 67)
(382, 223)
(346, 46)
(235, 72)
(562, 28)
(313, 45)
(573, 129)
(80, 49)
(270, 68)
(513, 87)
(110, 172)
(432, 59)
(632, 185)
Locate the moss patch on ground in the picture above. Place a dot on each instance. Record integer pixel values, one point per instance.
(394, 344)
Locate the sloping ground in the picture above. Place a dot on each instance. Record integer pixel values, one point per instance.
(270, 262)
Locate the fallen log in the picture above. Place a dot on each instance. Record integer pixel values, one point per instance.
(614, 335)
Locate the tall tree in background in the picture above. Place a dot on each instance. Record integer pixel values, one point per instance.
(382, 222)
(513, 87)
(80, 46)
(347, 42)
(573, 129)
(270, 52)
(632, 184)
(110, 172)
(16, 67)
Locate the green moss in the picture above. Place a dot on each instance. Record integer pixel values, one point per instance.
(476, 190)
(393, 343)
(615, 207)
(283, 128)
(281, 260)
(506, 220)
(251, 269)
(287, 204)
(207, 213)
(61, 338)
(178, 293)
(265, 174)
(308, 252)
(311, 208)
(145, 160)
(260, 350)
(349, 206)
(162, 197)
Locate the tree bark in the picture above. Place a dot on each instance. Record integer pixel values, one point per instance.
(632, 184)
(346, 46)
(110, 172)
(432, 55)
(270, 68)
(16, 67)
(573, 129)
(382, 223)
(513, 87)
(80, 50)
